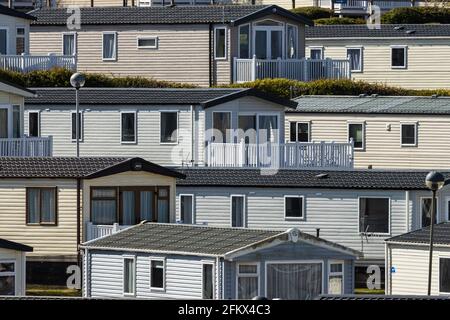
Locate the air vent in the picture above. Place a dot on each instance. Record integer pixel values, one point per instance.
(362, 95)
(322, 176)
(399, 28)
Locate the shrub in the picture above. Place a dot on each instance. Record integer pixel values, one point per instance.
(59, 77)
(313, 13)
(416, 15)
(339, 21)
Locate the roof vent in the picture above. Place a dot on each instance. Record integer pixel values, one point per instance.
(399, 28)
(362, 95)
(434, 96)
(375, 95)
(137, 166)
(410, 31)
(322, 176)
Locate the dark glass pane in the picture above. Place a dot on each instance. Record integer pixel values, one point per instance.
(237, 211)
(398, 57)
(16, 122)
(374, 215)
(208, 282)
(3, 123)
(7, 286)
(261, 44)
(33, 124)
(128, 276)
(355, 131)
(3, 42)
(293, 131)
(444, 275)
(186, 209)
(221, 126)
(294, 207)
(157, 274)
(244, 42)
(169, 126)
(128, 127)
(48, 210)
(303, 132)
(128, 208)
(220, 43)
(426, 212)
(146, 205)
(409, 134)
(33, 205)
(74, 128)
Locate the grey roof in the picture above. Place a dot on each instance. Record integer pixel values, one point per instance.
(72, 167)
(378, 297)
(180, 238)
(148, 96)
(441, 235)
(14, 13)
(290, 178)
(6, 244)
(386, 31)
(164, 15)
(373, 105)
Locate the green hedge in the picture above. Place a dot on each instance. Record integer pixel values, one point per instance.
(339, 21)
(292, 88)
(60, 78)
(418, 15)
(313, 13)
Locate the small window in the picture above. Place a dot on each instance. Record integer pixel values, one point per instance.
(316, 53)
(80, 126)
(247, 281)
(221, 127)
(41, 206)
(109, 46)
(220, 43)
(444, 275)
(244, 41)
(7, 278)
(208, 281)
(128, 127)
(355, 57)
(398, 57)
(104, 205)
(299, 132)
(408, 134)
(356, 133)
(33, 124)
(169, 127)
(425, 209)
(147, 43)
(69, 46)
(20, 41)
(374, 215)
(237, 211)
(129, 276)
(293, 207)
(336, 278)
(157, 274)
(187, 208)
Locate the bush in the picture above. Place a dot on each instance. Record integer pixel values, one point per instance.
(339, 21)
(313, 13)
(292, 88)
(416, 15)
(59, 77)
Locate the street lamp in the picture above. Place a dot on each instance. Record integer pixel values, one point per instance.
(77, 81)
(434, 181)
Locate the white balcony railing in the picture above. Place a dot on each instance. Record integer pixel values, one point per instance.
(363, 5)
(94, 231)
(26, 147)
(296, 69)
(27, 63)
(324, 155)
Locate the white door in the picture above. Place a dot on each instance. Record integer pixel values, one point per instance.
(268, 42)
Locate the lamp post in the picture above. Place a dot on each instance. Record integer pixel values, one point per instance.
(77, 81)
(434, 181)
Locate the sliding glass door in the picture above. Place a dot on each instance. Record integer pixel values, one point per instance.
(268, 42)
(10, 121)
(4, 122)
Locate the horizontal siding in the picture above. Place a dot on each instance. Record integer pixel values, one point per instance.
(383, 148)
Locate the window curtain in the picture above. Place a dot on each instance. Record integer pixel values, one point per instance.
(186, 209)
(3, 42)
(237, 204)
(294, 281)
(69, 45)
(103, 211)
(244, 42)
(335, 285)
(292, 42)
(48, 205)
(444, 275)
(128, 203)
(3, 123)
(146, 205)
(128, 127)
(268, 127)
(426, 212)
(109, 46)
(169, 126)
(354, 55)
(208, 282)
(129, 276)
(247, 287)
(222, 124)
(33, 206)
(316, 54)
(16, 121)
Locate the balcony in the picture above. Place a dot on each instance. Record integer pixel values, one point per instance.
(311, 155)
(362, 6)
(94, 231)
(26, 147)
(296, 69)
(19, 4)
(27, 63)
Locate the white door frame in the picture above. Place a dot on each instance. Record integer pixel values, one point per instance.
(268, 30)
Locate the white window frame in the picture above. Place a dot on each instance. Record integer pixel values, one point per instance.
(361, 59)
(439, 274)
(342, 274)
(7, 38)
(215, 42)
(128, 257)
(249, 40)
(213, 277)
(268, 29)
(415, 134)
(39, 122)
(163, 260)
(81, 115)
(389, 216)
(405, 60)
(193, 206)
(74, 41)
(11, 274)
(147, 38)
(296, 40)
(178, 127)
(322, 51)
(420, 209)
(302, 218)
(363, 128)
(294, 262)
(248, 275)
(24, 36)
(114, 58)
(135, 127)
(296, 130)
(244, 220)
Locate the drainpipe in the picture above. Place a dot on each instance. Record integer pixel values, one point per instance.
(192, 135)
(407, 210)
(92, 3)
(210, 55)
(78, 220)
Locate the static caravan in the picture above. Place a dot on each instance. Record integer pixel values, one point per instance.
(174, 261)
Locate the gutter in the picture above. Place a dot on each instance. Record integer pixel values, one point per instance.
(78, 220)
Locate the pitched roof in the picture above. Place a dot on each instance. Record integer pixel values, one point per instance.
(386, 31)
(290, 178)
(422, 236)
(72, 167)
(148, 96)
(16, 89)
(14, 13)
(201, 14)
(378, 297)
(200, 240)
(373, 105)
(11, 245)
